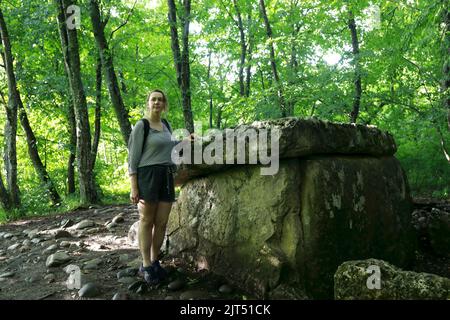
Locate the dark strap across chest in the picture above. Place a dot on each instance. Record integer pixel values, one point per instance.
(147, 129)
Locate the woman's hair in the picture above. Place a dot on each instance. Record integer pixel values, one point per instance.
(166, 102)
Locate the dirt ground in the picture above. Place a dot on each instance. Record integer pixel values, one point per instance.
(101, 251)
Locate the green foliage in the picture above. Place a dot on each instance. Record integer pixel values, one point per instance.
(401, 59)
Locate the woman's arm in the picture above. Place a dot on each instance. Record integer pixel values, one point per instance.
(134, 156)
(134, 195)
(135, 147)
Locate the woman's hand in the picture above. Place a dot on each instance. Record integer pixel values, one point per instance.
(134, 195)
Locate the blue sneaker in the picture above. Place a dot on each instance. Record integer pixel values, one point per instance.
(149, 275)
(159, 271)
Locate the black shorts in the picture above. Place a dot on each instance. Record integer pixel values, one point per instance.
(156, 183)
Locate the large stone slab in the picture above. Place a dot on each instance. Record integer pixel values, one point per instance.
(296, 227)
(352, 208)
(233, 223)
(297, 138)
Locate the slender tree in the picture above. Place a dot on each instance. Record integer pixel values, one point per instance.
(181, 57)
(284, 111)
(98, 26)
(357, 80)
(243, 44)
(210, 95)
(293, 71)
(69, 45)
(175, 42)
(98, 109)
(446, 58)
(249, 54)
(5, 198)
(10, 156)
(36, 159)
(445, 83)
(30, 136)
(72, 149)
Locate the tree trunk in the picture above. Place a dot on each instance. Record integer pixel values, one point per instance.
(98, 27)
(31, 139)
(219, 117)
(10, 156)
(249, 59)
(182, 65)
(185, 69)
(243, 49)
(284, 111)
(5, 199)
(446, 66)
(293, 71)
(208, 79)
(122, 82)
(70, 116)
(98, 108)
(358, 90)
(174, 39)
(35, 158)
(69, 44)
(261, 77)
(442, 141)
(293, 63)
(73, 149)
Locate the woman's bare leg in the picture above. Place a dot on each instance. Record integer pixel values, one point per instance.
(147, 213)
(161, 218)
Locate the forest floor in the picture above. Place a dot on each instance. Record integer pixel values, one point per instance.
(101, 253)
(101, 250)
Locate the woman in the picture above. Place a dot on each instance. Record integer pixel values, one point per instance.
(152, 185)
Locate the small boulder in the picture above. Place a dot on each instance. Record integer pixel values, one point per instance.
(84, 224)
(133, 234)
(376, 279)
(57, 259)
(120, 296)
(176, 285)
(66, 223)
(51, 249)
(118, 219)
(62, 234)
(89, 290)
(226, 289)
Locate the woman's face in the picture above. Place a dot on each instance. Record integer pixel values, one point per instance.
(156, 103)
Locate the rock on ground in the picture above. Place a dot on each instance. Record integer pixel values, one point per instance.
(377, 279)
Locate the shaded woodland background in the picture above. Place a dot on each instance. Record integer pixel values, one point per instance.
(221, 62)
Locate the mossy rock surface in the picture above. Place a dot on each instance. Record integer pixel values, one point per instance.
(360, 280)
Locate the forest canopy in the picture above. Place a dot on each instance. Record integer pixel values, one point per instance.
(88, 66)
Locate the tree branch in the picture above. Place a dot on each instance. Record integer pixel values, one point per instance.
(229, 13)
(443, 147)
(124, 23)
(420, 69)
